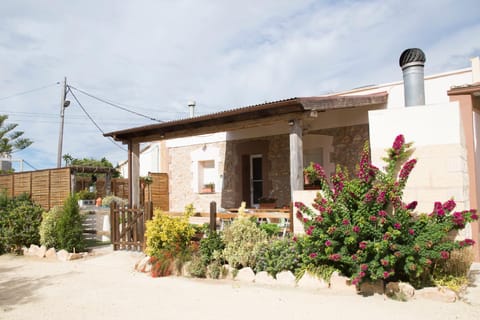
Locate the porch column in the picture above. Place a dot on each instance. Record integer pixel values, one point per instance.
(133, 173)
(296, 155)
(108, 183)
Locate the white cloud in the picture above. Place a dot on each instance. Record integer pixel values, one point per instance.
(157, 55)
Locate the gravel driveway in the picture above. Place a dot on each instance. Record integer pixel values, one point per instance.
(106, 287)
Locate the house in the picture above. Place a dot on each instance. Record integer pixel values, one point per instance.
(150, 160)
(261, 150)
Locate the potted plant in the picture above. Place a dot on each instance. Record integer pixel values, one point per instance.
(311, 177)
(267, 202)
(208, 188)
(86, 197)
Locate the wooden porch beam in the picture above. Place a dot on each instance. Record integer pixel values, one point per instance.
(133, 173)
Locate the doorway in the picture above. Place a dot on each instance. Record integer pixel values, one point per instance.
(256, 178)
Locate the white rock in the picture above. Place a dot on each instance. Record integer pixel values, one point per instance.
(41, 251)
(286, 278)
(310, 281)
(62, 255)
(399, 290)
(341, 283)
(245, 275)
(264, 278)
(141, 265)
(32, 251)
(51, 254)
(438, 294)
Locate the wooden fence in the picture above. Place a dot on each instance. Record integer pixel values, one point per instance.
(48, 188)
(127, 226)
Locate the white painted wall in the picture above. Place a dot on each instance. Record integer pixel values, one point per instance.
(149, 160)
(437, 133)
(436, 87)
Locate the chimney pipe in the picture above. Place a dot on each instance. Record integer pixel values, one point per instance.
(191, 107)
(412, 62)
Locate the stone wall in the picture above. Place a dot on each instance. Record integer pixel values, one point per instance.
(182, 177)
(276, 163)
(348, 143)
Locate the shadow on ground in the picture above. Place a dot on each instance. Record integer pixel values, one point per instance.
(17, 290)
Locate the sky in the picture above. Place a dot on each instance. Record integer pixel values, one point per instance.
(152, 57)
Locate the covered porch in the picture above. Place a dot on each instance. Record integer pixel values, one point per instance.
(261, 150)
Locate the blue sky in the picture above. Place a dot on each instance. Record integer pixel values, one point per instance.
(155, 56)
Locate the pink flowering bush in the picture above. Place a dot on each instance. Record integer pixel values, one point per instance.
(362, 227)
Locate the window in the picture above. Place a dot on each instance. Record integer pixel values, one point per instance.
(207, 173)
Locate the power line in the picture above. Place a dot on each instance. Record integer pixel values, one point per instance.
(114, 104)
(93, 121)
(29, 91)
(28, 164)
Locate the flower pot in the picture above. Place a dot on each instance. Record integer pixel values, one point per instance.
(207, 190)
(268, 205)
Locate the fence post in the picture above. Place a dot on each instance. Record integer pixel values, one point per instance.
(213, 216)
(290, 226)
(113, 226)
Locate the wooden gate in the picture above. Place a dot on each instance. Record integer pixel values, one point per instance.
(128, 226)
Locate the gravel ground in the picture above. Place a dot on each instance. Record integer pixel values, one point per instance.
(106, 287)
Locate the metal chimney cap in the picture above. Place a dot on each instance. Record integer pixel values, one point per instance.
(412, 56)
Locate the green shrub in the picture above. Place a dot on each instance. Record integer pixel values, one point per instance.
(86, 195)
(20, 219)
(162, 265)
(272, 229)
(453, 272)
(362, 227)
(211, 247)
(242, 241)
(70, 227)
(109, 199)
(215, 270)
(169, 238)
(48, 227)
(168, 233)
(277, 256)
(197, 267)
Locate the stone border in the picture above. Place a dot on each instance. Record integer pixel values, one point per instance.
(51, 254)
(396, 290)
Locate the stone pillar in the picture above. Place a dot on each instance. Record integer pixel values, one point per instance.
(133, 173)
(296, 155)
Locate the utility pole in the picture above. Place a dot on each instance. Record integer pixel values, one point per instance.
(63, 104)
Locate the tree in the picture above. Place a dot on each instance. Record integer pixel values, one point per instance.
(70, 226)
(10, 140)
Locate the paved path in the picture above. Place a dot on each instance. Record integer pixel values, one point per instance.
(106, 287)
(472, 295)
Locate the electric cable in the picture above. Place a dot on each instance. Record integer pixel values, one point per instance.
(28, 164)
(29, 91)
(113, 104)
(93, 121)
